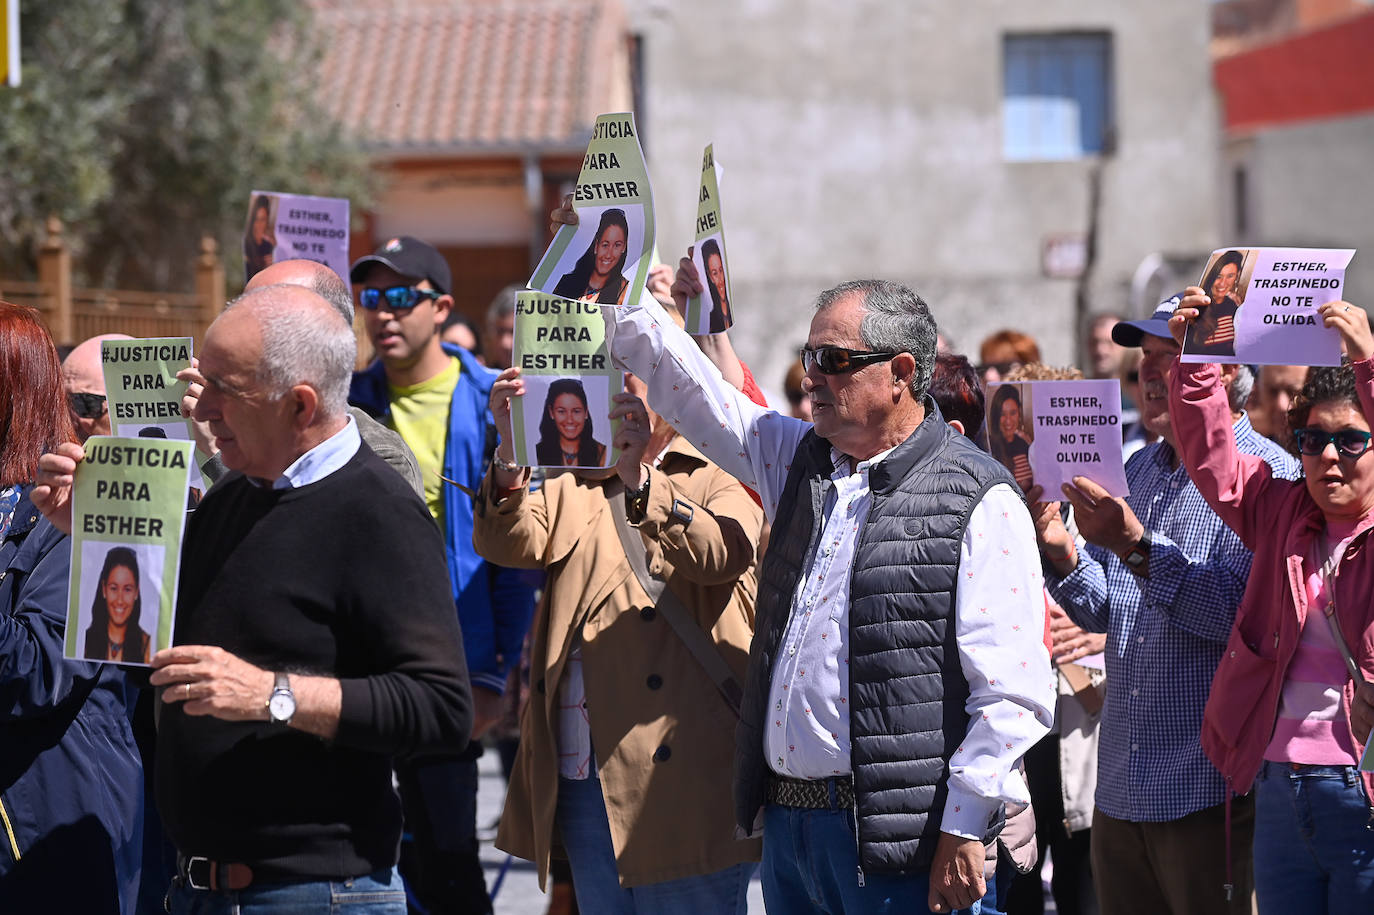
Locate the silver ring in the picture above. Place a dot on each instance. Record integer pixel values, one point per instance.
(1345, 308)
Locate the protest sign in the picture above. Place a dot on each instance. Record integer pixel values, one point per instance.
(1264, 307)
(128, 513)
(562, 419)
(1048, 432)
(9, 42)
(605, 258)
(709, 313)
(287, 226)
(142, 390)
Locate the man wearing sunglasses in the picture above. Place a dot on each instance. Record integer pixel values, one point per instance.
(897, 670)
(84, 381)
(1162, 575)
(435, 396)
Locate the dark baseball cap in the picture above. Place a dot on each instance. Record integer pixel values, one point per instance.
(409, 257)
(1130, 333)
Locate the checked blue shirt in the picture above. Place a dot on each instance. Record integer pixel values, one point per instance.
(1165, 635)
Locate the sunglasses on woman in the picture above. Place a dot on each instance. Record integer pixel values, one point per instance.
(1350, 443)
(398, 298)
(836, 360)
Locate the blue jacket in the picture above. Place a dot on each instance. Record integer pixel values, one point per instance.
(494, 604)
(71, 784)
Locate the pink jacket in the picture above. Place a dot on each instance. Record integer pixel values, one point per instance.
(1277, 520)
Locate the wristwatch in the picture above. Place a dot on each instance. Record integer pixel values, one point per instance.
(281, 705)
(637, 502)
(1138, 556)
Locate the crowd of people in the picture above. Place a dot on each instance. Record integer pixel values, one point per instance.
(849, 646)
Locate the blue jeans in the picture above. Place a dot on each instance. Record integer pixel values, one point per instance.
(380, 893)
(811, 864)
(1314, 848)
(586, 835)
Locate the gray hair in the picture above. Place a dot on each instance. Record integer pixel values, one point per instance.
(896, 320)
(302, 345)
(329, 286)
(1242, 383)
(504, 304)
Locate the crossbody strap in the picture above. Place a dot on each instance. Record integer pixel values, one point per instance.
(1329, 611)
(701, 646)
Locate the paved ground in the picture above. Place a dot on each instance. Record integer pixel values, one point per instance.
(519, 893)
(519, 890)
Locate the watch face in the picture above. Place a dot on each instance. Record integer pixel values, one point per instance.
(281, 706)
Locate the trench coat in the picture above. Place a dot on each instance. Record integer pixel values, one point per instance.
(662, 733)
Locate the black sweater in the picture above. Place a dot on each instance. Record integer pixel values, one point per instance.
(344, 577)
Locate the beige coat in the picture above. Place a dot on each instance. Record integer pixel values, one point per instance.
(669, 817)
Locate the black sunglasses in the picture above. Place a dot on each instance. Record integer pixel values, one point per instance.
(1351, 443)
(398, 298)
(836, 360)
(86, 405)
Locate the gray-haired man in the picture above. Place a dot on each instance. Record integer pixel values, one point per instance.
(881, 686)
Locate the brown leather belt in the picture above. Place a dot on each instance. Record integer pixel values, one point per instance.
(812, 794)
(201, 873)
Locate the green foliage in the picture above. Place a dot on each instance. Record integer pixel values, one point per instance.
(144, 124)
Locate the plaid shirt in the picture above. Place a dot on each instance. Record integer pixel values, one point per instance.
(1165, 635)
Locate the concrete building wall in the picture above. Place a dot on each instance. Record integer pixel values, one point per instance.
(1309, 185)
(865, 139)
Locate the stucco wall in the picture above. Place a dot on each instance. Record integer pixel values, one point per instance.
(864, 139)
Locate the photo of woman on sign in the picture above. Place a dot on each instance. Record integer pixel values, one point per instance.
(598, 275)
(259, 240)
(115, 633)
(1214, 332)
(716, 285)
(565, 429)
(1006, 435)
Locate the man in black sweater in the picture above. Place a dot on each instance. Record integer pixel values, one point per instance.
(315, 631)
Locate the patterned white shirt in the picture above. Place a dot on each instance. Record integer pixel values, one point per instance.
(999, 612)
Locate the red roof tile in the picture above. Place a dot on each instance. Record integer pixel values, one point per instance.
(426, 77)
(1328, 72)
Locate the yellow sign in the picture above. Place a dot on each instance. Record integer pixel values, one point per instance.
(9, 42)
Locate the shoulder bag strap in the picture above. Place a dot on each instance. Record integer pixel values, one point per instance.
(1329, 611)
(698, 642)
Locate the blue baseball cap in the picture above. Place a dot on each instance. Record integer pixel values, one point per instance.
(1131, 333)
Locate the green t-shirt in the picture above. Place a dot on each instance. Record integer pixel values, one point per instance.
(419, 414)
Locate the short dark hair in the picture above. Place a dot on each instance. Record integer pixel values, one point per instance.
(958, 392)
(1325, 384)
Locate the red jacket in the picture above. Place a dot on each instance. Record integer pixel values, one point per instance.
(1278, 521)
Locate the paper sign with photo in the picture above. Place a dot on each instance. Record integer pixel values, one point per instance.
(1264, 307)
(143, 392)
(290, 226)
(1048, 432)
(128, 515)
(563, 418)
(710, 312)
(606, 257)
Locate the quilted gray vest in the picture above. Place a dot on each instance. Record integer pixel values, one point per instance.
(906, 686)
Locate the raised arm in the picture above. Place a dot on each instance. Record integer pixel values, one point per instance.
(1235, 485)
(751, 443)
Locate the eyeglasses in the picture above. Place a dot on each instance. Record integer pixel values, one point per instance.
(1351, 443)
(835, 360)
(86, 405)
(398, 298)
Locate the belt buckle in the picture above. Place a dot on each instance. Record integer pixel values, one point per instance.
(191, 864)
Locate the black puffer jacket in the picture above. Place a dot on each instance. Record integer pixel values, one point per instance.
(907, 688)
